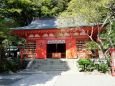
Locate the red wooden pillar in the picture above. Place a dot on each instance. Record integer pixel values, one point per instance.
(71, 51)
(41, 49)
(112, 51)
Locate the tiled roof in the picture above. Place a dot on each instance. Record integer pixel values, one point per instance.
(52, 23)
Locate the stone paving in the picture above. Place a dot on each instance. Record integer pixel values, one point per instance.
(85, 80)
(56, 78)
(7, 79)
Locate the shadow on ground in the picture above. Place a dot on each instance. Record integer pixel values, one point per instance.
(42, 71)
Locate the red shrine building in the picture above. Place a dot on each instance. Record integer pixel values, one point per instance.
(56, 38)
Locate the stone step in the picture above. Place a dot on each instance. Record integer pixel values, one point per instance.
(53, 65)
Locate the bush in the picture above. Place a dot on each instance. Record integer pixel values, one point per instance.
(11, 65)
(3, 66)
(85, 64)
(109, 61)
(103, 67)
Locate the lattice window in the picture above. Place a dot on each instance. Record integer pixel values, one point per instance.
(29, 50)
(30, 46)
(81, 44)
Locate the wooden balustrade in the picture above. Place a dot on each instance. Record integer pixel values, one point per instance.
(26, 51)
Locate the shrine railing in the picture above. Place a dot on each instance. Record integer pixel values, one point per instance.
(26, 51)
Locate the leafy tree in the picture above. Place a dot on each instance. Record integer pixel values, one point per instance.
(14, 13)
(21, 11)
(111, 42)
(94, 11)
(91, 10)
(5, 36)
(91, 45)
(51, 8)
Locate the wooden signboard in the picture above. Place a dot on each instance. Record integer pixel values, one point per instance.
(112, 51)
(56, 55)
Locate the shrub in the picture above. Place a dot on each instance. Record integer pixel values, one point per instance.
(109, 61)
(103, 67)
(3, 66)
(85, 64)
(11, 65)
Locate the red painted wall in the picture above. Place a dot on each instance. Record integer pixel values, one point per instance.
(41, 49)
(41, 42)
(71, 51)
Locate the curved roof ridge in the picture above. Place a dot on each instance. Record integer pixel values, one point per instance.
(56, 22)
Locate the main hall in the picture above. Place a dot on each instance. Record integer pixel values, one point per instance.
(56, 38)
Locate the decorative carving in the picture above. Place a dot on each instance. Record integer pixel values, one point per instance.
(51, 35)
(31, 35)
(45, 35)
(82, 33)
(75, 34)
(41, 44)
(60, 35)
(66, 34)
(70, 43)
(37, 35)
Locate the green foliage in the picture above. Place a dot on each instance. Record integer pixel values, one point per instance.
(5, 36)
(51, 8)
(84, 61)
(4, 29)
(85, 64)
(111, 35)
(94, 11)
(20, 10)
(90, 10)
(91, 45)
(109, 61)
(23, 11)
(103, 67)
(12, 65)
